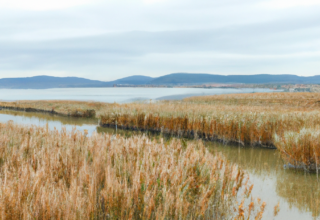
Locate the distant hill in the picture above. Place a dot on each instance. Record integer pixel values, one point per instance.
(46, 82)
(191, 78)
(134, 80)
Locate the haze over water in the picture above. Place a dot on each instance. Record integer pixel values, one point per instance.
(119, 95)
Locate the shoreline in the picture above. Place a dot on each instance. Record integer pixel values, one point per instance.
(147, 124)
(76, 114)
(188, 135)
(181, 134)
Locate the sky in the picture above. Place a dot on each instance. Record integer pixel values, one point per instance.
(111, 39)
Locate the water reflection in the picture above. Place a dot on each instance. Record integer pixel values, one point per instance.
(300, 190)
(297, 192)
(54, 121)
(258, 161)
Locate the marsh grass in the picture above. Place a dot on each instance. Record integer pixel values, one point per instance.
(246, 119)
(65, 108)
(66, 175)
(281, 99)
(244, 127)
(301, 148)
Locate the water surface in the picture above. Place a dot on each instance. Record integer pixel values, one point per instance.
(297, 192)
(119, 95)
(54, 121)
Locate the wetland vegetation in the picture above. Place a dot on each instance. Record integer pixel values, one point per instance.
(287, 121)
(257, 119)
(51, 174)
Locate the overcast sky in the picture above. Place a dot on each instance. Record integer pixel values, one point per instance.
(111, 39)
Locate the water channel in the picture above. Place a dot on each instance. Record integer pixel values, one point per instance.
(297, 192)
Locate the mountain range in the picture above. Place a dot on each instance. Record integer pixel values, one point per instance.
(46, 82)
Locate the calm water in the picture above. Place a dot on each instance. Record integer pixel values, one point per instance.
(297, 192)
(54, 121)
(118, 95)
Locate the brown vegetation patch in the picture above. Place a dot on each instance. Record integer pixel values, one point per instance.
(242, 118)
(66, 175)
(63, 108)
(281, 99)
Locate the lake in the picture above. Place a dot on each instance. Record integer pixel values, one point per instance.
(119, 95)
(297, 192)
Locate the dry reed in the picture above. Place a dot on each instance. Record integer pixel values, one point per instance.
(65, 108)
(66, 175)
(244, 127)
(282, 99)
(301, 148)
(241, 118)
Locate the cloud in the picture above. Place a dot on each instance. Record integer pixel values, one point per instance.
(280, 4)
(111, 39)
(41, 5)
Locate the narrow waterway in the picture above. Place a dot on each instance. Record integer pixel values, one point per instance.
(54, 121)
(297, 192)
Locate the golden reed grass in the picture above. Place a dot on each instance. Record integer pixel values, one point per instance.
(300, 148)
(298, 138)
(282, 99)
(244, 125)
(65, 108)
(66, 175)
(241, 118)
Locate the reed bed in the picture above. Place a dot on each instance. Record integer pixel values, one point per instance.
(301, 148)
(66, 175)
(246, 119)
(64, 108)
(223, 123)
(281, 99)
(198, 105)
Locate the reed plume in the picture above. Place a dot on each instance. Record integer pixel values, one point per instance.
(51, 174)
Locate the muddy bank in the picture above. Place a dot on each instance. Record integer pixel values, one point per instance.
(90, 113)
(190, 134)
